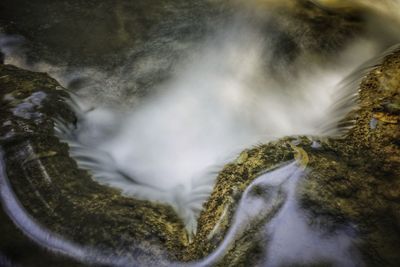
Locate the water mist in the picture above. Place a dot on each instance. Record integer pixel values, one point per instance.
(221, 96)
(169, 146)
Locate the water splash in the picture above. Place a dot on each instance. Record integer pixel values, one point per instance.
(168, 146)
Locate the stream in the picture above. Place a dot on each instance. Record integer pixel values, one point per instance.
(164, 102)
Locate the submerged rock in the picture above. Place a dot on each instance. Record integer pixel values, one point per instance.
(351, 181)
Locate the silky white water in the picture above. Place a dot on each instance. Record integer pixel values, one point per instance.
(289, 237)
(169, 146)
(221, 97)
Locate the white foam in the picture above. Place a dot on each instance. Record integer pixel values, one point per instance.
(220, 101)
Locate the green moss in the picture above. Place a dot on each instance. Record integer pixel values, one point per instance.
(62, 197)
(354, 179)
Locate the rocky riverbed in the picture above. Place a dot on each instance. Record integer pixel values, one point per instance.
(296, 201)
(351, 180)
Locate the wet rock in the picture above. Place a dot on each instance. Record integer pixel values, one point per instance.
(93, 33)
(59, 196)
(352, 180)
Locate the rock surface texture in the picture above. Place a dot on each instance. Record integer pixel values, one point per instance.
(351, 180)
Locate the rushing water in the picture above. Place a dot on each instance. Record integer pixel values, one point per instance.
(169, 146)
(229, 89)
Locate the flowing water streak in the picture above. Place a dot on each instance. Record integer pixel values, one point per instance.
(291, 120)
(293, 240)
(222, 99)
(52, 241)
(289, 236)
(279, 185)
(277, 200)
(219, 102)
(255, 207)
(345, 98)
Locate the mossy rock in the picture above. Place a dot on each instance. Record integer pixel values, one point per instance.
(354, 179)
(56, 193)
(351, 179)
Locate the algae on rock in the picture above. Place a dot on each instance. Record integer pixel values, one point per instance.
(58, 195)
(351, 179)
